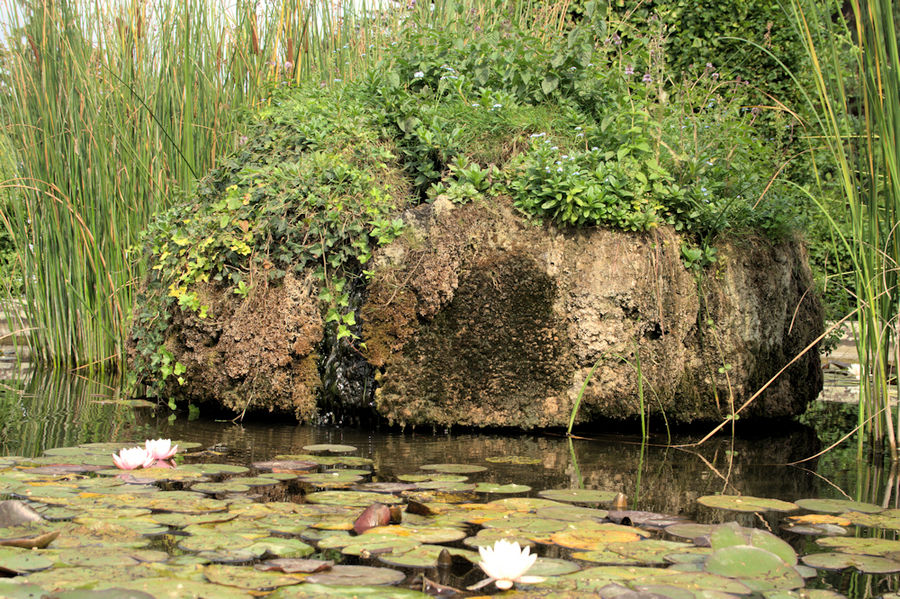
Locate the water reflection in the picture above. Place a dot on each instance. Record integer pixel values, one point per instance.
(52, 409)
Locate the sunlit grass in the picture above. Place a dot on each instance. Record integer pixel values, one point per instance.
(856, 103)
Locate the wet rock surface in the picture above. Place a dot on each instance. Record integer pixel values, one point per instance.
(477, 317)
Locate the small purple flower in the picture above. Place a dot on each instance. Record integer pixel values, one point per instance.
(616, 39)
(648, 78)
(629, 70)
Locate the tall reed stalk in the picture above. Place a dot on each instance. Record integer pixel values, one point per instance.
(114, 109)
(856, 73)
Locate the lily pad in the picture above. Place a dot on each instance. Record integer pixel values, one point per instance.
(179, 588)
(18, 561)
(731, 534)
(247, 578)
(12, 590)
(865, 546)
(590, 539)
(504, 489)
(886, 519)
(424, 556)
(868, 564)
(418, 478)
(836, 506)
(425, 534)
(757, 568)
(285, 465)
(454, 468)
(514, 459)
(578, 495)
(350, 498)
(323, 591)
(746, 503)
(350, 575)
(329, 448)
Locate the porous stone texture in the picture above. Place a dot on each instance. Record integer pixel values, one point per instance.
(253, 354)
(477, 317)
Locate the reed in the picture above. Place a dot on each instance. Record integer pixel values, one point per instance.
(856, 116)
(115, 109)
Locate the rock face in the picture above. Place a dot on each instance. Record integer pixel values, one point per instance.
(477, 317)
(482, 319)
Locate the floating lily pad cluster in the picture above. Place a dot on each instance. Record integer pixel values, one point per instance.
(324, 524)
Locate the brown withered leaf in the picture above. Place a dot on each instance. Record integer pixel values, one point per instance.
(376, 514)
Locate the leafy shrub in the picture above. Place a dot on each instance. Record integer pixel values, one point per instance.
(576, 129)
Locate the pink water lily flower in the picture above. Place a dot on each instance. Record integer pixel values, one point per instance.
(136, 457)
(505, 564)
(160, 449)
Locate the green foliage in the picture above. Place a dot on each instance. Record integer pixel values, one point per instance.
(721, 34)
(561, 125)
(311, 189)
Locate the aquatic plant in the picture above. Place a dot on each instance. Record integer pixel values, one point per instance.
(855, 68)
(132, 458)
(505, 564)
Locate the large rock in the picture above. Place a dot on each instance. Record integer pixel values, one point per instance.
(478, 317)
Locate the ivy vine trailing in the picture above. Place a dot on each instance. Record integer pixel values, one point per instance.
(576, 130)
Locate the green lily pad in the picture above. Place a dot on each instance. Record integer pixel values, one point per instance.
(547, 566)
(377, 545)
(424, 556)
(214, 469)
(418, 478)
(578, 495)
(280, 547)
(514, 459)
(286, 466)
(349, 575)
(446, 486)
(350, 498)
(520, 504)
(247, 578)
(335, 477)
(180, 588)
(865, 546)
(330, 448)
(529, 524)
(454, 468)
(887, 519)
(730, 534)
(12, 590)
(322, 591)
(486, 537)
(16, 560)
(571, 513)
(504, 489)
(227, 486)
(385, 487)
(424, 534)
(648, 552)
(837, 506)
(757, 568)
(598, 537)
(329, 460)
(746, 503)
(868, 564)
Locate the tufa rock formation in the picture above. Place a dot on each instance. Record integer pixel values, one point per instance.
(477, 317)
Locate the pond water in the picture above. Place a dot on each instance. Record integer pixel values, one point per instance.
(42, 411)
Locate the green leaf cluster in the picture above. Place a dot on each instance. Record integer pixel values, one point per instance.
(560, 124)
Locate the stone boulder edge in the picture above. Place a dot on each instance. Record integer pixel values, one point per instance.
(477, 317)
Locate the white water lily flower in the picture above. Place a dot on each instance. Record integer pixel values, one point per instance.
(136, 457)
(160, 449)
(505, 564)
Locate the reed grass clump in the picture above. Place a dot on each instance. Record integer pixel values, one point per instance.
(855, 102)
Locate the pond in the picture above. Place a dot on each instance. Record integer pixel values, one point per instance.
(212, 521)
